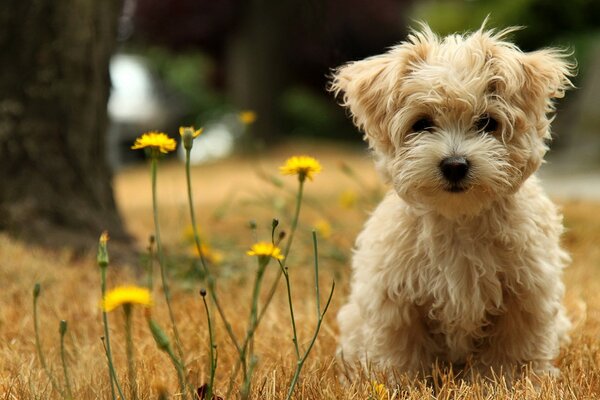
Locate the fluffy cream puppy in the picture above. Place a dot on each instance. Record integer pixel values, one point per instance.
(461, 261)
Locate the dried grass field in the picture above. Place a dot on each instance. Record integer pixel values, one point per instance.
(228, 194)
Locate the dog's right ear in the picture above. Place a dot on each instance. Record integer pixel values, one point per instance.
(367, 90)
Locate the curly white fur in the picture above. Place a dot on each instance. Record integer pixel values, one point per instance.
(467, 275)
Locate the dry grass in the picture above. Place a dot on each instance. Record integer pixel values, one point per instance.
(71, 291)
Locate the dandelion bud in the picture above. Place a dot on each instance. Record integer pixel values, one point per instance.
(252, 224)
(188, 134)
(275, 223)
(188, 138)
(151, 239)
(203, 292)
(36, 289)
(281, 235)
(62, 327)
(103, 250)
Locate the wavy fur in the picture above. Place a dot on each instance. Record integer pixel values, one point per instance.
(439, 276)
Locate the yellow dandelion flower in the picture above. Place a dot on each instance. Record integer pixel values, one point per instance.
(211, 255)
(323, 228)
(348, 199)
(195, 133)
(303, 166)
(265, 249)
(188, 233)
(126, 295)
(379, 390)
(156, 141)
(247, 117)
(104, 237)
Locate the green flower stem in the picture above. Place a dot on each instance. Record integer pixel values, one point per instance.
(209, 277)
(129, 352)
(38, 346)
(296, 217)
(150, 266)
(163, 343)
(248, 348)
(320, 316)
(273, 288)
(286, 275)
(63, 330)
(161, 257)
(112, 375)
(213, 355)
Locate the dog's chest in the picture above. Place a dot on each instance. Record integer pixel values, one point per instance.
(458, 284)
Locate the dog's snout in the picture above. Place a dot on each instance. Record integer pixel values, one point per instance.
(454, 169)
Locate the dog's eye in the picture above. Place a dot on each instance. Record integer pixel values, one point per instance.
(422, 124)
(486, 124)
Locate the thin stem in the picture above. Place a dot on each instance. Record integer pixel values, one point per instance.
(112, 375)
(163, 343)
(38, 346)
(213, 358)
(129, 352)
(300, 362)
(150, 265)
(180, 371)
(253, 319)
(291, 306)
(294, 226)
(273, 288)
(317, 288)
(161, 258)
(63, 331)
(209, 277)
(295, 220)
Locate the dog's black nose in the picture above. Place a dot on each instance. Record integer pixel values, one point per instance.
(454, 169)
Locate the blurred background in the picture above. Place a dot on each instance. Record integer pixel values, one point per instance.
(196, 62)
(253, 73)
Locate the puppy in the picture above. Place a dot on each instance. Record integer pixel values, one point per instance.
(461, 261)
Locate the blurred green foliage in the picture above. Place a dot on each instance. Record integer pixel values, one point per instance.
(574, 24)
(188, 75)
(308, 112)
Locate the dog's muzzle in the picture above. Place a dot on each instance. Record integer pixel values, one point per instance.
(455, 170)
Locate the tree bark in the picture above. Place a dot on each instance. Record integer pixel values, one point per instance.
(256, 65)
(55, 184)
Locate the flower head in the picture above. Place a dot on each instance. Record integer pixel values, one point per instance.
(102, 256)
(188, 134)
(247, 117)
(323, 227)
(126, 295)
(265, 249)
(379, 390)
(348, 199)
(211, 255)
(155, 141)
(303, 166)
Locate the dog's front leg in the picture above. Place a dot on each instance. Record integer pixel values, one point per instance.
(525, 337)
(383, 333)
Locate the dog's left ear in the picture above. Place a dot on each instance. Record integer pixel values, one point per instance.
(547, 74)
(367, 90)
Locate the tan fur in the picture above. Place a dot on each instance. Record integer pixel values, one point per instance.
(461, 277)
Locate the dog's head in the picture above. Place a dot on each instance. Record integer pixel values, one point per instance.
(457, 121)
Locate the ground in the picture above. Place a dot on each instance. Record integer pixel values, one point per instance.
(228, 195)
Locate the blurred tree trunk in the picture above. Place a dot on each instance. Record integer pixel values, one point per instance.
(55, 184)
(256, 64)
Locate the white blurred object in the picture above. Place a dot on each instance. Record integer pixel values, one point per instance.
(133, 98)
(138, 103)
(216, 141)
